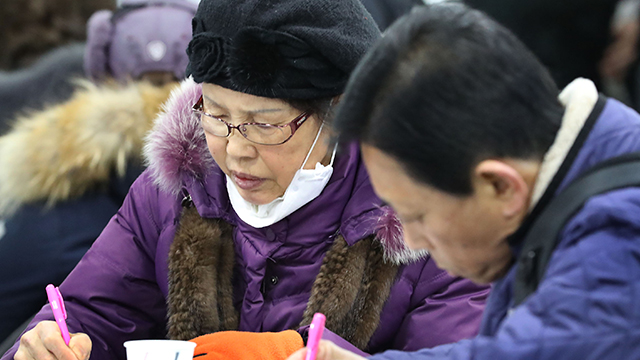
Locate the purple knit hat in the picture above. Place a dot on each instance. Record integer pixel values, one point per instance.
(141, 36)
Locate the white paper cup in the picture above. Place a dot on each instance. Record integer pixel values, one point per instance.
(159, 349)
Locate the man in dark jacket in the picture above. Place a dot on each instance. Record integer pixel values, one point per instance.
(466, 135)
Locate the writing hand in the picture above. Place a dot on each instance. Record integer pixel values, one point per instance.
(326, 351)
(45, 342)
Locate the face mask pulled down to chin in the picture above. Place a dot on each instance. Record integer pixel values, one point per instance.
(306, 185)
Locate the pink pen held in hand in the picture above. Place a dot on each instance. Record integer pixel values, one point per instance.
(315, 334)
(59, 312)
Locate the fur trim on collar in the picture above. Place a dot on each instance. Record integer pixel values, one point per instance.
(351, 288)
(61, 152)
(176, 149)
(579, 99)
(389, 233)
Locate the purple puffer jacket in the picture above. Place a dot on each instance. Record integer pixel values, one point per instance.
(119, 290)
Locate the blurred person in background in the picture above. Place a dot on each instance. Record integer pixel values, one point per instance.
(622, 52)
(569, 37)
(619, 67)
(49, 81)
(594, 39)
(65, 170)
(30, 28)
(42, 44)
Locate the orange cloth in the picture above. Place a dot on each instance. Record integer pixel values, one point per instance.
(240, 345)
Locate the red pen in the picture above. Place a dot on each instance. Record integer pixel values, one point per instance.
(315, 334)
(59, 312)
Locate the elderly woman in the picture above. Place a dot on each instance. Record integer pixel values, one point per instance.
(251, 217)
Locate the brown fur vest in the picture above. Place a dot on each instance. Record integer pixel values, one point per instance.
(351, 288)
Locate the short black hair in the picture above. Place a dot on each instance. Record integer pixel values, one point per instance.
(445, 88)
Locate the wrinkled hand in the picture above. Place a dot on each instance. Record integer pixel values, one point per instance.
(45, 342)
(327, 351)
(242, 345)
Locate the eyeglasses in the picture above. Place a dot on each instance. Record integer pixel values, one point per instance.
(259, 133)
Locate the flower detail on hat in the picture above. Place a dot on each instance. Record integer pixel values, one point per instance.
(207, 56)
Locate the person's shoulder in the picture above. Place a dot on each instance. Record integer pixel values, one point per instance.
(147, 202)
(147, 186)
(595, 265)
(607, 226)
(146, 192)
(616, 117)
(612, 211)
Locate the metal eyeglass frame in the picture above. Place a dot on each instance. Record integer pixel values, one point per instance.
(294, 124)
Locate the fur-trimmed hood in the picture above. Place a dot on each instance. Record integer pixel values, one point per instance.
(176, 154)
(176, 149)
(60, 152)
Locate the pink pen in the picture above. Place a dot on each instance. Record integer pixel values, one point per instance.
(59, 312)
(315, 334)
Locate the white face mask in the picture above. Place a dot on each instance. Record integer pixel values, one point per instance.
(305, 186)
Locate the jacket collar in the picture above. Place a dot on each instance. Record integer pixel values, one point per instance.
(579, 99)
(583, 108)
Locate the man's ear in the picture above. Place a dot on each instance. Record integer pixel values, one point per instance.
(502, 182)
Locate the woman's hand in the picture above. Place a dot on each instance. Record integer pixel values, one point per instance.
(326, 351)
(45, 342)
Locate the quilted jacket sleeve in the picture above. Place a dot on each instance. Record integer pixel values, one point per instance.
(98, 290)
(428, 307)
(442, 309)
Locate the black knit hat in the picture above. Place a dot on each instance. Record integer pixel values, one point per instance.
(287, 49)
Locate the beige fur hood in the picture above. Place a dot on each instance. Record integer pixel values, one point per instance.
(60, 152)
